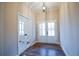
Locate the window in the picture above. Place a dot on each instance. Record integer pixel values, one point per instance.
(42, 29)
(51, 29)
(21, 28)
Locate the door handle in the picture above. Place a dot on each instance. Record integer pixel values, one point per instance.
(25, 34)
(21, 41)
(28, 42)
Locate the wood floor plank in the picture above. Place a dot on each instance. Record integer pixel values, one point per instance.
(43, 49)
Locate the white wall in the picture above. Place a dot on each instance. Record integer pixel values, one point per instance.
(69, 28)
(1, 28)
(9, 27)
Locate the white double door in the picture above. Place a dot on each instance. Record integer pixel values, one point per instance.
(24, 33)
(47, 31)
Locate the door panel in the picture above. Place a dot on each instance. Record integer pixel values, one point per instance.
(24, 33)
(42, 32)
(21, 32)
(28, 29)
(51, 29)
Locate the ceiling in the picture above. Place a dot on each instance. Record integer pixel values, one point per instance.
(37, 6)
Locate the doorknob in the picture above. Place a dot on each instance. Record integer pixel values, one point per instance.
(20, 41)
(25, 34)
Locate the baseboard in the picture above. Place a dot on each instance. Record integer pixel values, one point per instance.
(65, 51)
(49, 43)
(33, 43)
(28, 47)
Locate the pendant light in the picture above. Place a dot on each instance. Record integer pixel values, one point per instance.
(44, 7)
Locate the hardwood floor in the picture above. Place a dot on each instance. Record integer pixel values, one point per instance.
(43, 49)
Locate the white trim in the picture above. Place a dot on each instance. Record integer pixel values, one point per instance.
(49, 43)
(31, 44)
(28, 17)
(65, 51)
